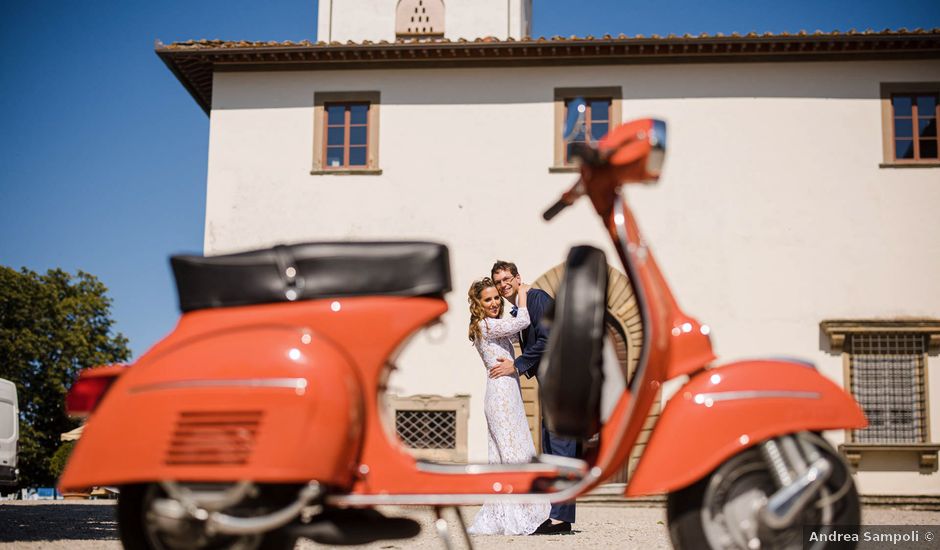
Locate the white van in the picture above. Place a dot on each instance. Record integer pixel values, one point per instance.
(9, 433)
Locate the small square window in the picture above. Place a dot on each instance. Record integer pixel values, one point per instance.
(596, 123)
(909, 123)
(346, 132)
(430, 427)
(915, 126)
(346, 135)
(601, 113)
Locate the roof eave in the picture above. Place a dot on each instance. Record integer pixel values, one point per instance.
(194, 62)
(205, 105)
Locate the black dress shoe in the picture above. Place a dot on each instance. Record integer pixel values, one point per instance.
(549, 528)
(541, 529)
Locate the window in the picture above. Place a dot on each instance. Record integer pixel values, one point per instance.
(885, 364)
(915, 126)
(602, 111)
(346, 133)
(427, 429)
(909, 120)
(347, 137)
(596, 123)
(8, 420)
(886, 376)
(431, 427)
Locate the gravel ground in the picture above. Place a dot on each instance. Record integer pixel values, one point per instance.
(90, 525)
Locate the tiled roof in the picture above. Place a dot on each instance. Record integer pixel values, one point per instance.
(211, 44)
(194, 61)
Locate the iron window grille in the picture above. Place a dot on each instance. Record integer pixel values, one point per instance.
(887, 377)
(427, 429)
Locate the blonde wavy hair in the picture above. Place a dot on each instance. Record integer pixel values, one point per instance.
(477, 312)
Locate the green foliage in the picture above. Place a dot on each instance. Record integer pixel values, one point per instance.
(60, 458)
(51, 327)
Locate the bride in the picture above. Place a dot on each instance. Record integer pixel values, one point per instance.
(509, 440)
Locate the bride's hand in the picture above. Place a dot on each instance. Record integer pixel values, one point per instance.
(523, 294)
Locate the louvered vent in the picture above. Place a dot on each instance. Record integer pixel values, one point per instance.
(419, 19)
(213, 438)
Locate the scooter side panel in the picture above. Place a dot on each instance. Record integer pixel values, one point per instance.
(270, 402)
(724, 410)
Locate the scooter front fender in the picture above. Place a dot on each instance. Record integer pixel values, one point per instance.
(724, 410)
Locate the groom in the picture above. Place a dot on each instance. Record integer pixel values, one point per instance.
(533, 341)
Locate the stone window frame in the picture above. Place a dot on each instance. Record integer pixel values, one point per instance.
(459, 403)
(320, 99)
(887, 123)
(836, 332)
(615, 93)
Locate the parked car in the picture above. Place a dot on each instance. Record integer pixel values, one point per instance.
(9, 433)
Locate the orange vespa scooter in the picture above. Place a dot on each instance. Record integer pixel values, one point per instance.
(258, 419)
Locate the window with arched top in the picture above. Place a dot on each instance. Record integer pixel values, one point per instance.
(419, 19)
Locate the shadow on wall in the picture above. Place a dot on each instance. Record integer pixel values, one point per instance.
(520, 85)
(51, 522)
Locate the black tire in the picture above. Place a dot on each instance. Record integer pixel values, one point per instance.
(746, 473)
(133, 501)
(571, 373)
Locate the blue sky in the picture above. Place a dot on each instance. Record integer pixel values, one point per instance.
(104, 153)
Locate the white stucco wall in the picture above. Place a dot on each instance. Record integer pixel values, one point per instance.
(481, 18)
(358, 20)
(772, 214)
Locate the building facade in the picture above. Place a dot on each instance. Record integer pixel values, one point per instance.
(797, 214)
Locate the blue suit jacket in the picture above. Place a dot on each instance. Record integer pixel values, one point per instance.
(535, 337)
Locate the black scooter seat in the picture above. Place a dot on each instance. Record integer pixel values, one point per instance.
(311, 271)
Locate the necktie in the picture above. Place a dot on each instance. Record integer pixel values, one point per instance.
(514, 311)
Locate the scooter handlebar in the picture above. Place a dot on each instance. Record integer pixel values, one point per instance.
(587, 153)
(566, 200)
(555, 209)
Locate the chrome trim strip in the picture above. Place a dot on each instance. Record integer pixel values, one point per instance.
(754, 394)
(569, 493)
(287, 383)
(445, 499)
(784, 359)
(564, 465)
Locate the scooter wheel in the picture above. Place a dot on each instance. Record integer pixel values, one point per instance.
(721, 511)
(140, 531)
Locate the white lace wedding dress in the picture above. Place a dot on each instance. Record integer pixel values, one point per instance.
(508, 430)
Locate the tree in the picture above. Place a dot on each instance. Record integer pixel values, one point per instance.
(51, 327)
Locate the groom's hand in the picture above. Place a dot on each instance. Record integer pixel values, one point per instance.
(504, 367)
